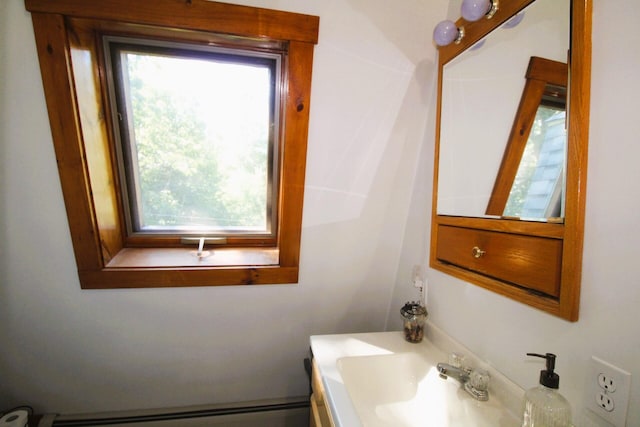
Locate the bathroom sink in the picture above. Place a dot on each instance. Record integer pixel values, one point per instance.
(405, 389)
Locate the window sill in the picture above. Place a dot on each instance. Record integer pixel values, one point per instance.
(177, 267)
(187, 257)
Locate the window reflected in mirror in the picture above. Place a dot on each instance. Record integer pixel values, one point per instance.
(537, 188)
(530, 182)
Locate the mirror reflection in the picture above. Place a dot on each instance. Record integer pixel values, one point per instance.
(530, 181)
(495, 159)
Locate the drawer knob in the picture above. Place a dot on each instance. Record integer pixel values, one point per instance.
(477, 252)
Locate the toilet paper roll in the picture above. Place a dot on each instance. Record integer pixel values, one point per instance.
(15, 418)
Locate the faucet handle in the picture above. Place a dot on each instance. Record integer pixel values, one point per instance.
(480, 379)
(478, 385)
(456, 360)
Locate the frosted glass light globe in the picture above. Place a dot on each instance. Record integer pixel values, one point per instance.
(445, 33)
(472, 10)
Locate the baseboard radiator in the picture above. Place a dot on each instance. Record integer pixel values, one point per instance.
(290, 412)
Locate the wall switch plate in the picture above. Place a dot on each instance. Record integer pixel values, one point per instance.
(607, 392)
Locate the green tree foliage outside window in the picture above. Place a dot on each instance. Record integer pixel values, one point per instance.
(192, 171)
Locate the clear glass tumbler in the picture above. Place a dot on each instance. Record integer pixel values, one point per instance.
(414, 316)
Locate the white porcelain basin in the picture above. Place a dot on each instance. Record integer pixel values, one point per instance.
(404, 389)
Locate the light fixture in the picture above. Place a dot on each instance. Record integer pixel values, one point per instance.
(473, 10)
(517, 18)
(478, 45)
(446, 32)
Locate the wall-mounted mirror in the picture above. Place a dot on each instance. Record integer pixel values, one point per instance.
(482, 88)
(511, 152)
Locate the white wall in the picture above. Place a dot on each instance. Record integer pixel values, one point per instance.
(502, 331)
(365, 224)
(68, 350)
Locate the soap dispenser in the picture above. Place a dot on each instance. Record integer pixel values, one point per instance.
(543, 405)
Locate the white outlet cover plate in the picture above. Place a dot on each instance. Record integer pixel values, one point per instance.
(620, 396)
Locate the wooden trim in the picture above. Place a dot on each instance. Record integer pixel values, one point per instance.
(554, 72)
(174, 277)
(577, 155)
(435, 222)
(296, 120)
(83, 137)
(95, 127)
(55, 66)
(200, 15)
(502, 225)
(525, 296)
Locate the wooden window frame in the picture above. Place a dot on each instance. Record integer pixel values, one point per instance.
(66, 32)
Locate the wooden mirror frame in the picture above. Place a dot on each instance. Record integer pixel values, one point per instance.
(507, 256)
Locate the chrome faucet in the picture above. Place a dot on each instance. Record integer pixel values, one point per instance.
(459, 373)
(474, 382)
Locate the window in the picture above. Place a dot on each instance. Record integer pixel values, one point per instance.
(183, 126)
(198, 135)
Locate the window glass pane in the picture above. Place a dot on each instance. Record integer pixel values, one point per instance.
(536, 191)
(199, 129)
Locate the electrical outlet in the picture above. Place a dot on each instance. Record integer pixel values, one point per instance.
(416, 276)
(607, 391)
(604, 401)
(607, 382)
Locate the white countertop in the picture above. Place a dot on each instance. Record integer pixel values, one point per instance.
(328, 349)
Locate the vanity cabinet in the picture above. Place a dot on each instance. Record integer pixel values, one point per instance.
(319, 414)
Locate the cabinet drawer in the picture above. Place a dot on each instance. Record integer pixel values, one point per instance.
(528, 261)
